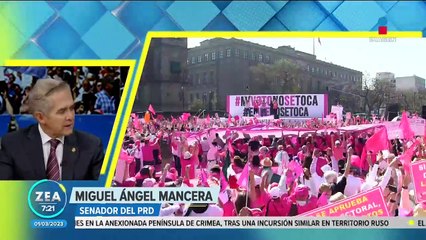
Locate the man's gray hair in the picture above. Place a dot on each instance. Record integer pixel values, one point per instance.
(42, 89)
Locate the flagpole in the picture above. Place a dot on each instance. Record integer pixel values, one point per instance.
(248, 186)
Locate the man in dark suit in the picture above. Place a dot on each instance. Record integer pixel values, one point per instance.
(51, 149)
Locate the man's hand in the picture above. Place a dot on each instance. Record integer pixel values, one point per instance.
(350, 151)
(244, 212)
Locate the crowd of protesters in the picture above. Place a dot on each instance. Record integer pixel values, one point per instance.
(272, 175)
(96, 90)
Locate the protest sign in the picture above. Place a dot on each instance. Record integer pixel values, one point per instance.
(289, 105)
(369, 203)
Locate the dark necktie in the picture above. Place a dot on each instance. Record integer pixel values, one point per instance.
(52, 162)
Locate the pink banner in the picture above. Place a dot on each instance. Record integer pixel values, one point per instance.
(417, 125)
(369, 203)
(418, 171)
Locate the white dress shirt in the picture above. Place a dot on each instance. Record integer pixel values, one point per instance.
(46, 149)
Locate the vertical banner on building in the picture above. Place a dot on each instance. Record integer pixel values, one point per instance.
(418, 171)
(289, 105)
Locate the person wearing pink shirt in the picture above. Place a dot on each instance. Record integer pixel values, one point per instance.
(186, 161)
(302, 154)
(256, 107)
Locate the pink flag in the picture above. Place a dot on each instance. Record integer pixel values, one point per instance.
(322, 200)
(296, 168)
(208, 119)
(223, 182)
(151, 109)
(203, 178)
(136, 123)
(244, 177)
(185, 116)
(379, 141)
(405, 127)
(294, 140)
(405, 158)
(125, 157)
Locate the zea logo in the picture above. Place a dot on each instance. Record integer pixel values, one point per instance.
(47, 199)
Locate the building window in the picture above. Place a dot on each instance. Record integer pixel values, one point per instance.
(206, 57)
(196, 78)
(199, 79)
(245, 55)
(197, 95)
(260, 57)
(253, 56)
(221, 54)
(187, 61)
(309, 68)
(334, 74)
(213, 56)
(237, 52)
(193, 60)
(191, 97)
(199, 59)
(205, 77)
(211, 76)
(175, 67)
(313, 69)
(267, 58)
(228, 52)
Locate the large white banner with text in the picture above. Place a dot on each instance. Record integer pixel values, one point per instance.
(289, 105)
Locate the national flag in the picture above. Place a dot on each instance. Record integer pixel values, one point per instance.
(151, 109)
(223, 182)
(231, 148)
(226, 165)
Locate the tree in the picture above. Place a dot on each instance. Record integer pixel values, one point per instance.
(196, 105)
(412, 101)
(282, 76)
(376, 93)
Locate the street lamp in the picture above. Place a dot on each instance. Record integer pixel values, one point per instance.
(182, 92)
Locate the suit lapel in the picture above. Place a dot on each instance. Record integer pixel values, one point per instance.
(34, 150)
(69, 157)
